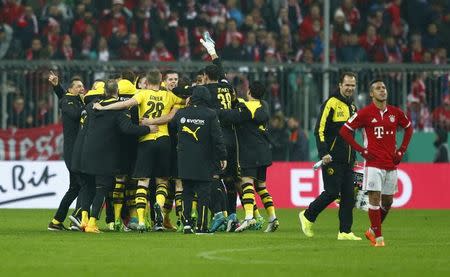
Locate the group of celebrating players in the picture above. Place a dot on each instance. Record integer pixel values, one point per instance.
(122, 147)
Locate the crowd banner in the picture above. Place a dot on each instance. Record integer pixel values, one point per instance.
(43, 143)
(42, 184)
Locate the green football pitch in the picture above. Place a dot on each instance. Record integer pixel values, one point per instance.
(417, 244)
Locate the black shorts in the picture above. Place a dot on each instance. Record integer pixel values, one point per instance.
(257, 173)
(153, 159)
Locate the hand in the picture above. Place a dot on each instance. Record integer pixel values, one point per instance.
(145, 121)
(326, 159)
(153, 128)
(398, 156)
(209, 46)
(368, 156)
(223, 164)
(53, 79)
(98, 107)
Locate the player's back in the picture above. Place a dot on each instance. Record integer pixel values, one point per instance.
(154, 104)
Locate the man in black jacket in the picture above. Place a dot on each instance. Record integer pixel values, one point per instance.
(255, 155)
(101, 152)
(200, 142)
(338, 159)
(71, 107)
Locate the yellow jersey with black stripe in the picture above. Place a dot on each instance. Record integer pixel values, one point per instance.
(154, 104)
(336, 110)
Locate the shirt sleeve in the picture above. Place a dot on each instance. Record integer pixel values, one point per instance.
(403, 119)
(356, 121)
(139, 97)
(175, 99)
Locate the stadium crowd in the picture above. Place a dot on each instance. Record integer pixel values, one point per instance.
(382, 31)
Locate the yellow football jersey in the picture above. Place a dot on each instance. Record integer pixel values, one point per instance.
(154, 104)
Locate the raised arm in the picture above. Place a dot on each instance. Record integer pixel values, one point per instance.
(57, 88)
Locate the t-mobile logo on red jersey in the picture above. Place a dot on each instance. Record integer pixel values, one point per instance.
(379, 131)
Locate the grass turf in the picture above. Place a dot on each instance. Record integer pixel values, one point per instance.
(417, 244)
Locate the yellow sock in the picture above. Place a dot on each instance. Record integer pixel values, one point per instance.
(141, 203)
(92, 222)
(248, 199)
(147, 211)
(225, 213)
(194, 203)
(256, 211)
(54, 221)
(266, 198)
(161, 194)
(84, 218)
(118, 198)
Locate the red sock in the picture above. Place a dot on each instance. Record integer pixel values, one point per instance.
(384, 211)
(375, 220)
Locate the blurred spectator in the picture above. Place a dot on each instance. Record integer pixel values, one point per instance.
(6, 36)
(280, 137)
(391, 51)
(419, 114)
(234, 12)
(19, 117)
(216, 11)
(160, 53)
(251, 51)
(298, 141)
(10, 11)
(43, 114)
(440, 143)
(36, 52)
(416, 53)
(441, 115)
(80, 25)
(53, 37)
(63, 9)
(441, 56)
(371, 42)
(26, 27)
(132, 51)
(146, 24)
(119, 39)
(351, 51)
(394, 21)
(418, 88)
(248, 25)
(233, 52)
(340, 27)
(65, 52)
(430, 39)
(351, 12)
(311, 25)
(112, 20)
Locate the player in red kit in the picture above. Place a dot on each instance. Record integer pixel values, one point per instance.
(379, 122)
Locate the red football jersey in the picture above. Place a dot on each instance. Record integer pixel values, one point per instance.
(379, 132)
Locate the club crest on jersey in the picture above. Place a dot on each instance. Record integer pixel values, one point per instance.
(330, 171)
(392, 118)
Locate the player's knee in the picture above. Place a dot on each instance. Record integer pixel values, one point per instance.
(331, 195)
